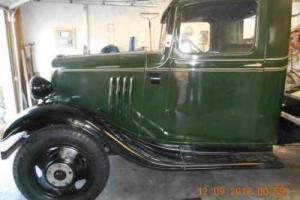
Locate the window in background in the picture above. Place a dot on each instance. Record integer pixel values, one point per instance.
(65, 38)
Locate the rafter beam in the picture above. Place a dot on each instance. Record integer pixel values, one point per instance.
(17, 4)
(3, 7)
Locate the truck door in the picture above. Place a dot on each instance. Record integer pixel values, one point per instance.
(157, 70)
(216, 77)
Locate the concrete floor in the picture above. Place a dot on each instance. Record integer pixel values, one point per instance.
(2, 126)
(131, 182)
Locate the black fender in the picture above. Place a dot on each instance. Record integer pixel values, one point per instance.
(49, 114)
(44, 115)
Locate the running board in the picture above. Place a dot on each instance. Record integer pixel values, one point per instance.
(215, 161)
(230, 160)
(176, 158)
(183, 157)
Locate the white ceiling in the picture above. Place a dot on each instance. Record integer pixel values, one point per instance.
(109, 2)
(11, 4)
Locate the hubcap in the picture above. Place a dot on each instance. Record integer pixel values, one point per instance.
(61, 171)
(59, 174)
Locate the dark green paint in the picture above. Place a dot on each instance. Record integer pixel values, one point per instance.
(208, 108)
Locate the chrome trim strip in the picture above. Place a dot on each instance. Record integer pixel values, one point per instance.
(124, 96)
(103, 70)
(122, 144)
(278, 58)
(110, 92)
(117, 92)
(184, 61)
(230, 60)
(124, 87)
(130, 93)
(208, 70)
(108, 67)
(275, 69)
(101, 55)
(232, 69)
(245, 69)
(221, 70)
(254, 65)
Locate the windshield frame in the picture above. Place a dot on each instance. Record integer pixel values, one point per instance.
(164, 29)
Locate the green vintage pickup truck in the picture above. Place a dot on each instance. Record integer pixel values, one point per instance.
(210, 98)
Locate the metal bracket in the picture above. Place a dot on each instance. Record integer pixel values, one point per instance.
(9, 145)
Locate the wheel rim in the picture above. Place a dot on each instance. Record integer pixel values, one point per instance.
(61, 171)
(59, 175)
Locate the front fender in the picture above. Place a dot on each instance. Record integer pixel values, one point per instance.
(106, 134)
(44, 115)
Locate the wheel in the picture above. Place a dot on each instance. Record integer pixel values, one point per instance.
(61, 162)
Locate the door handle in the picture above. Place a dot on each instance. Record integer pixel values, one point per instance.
(154, 78)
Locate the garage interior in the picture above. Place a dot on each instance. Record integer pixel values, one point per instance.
(33, 33)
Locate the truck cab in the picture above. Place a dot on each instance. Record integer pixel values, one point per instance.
(217, 80)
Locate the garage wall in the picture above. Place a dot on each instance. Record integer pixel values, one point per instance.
(39, 20)
(296, 10)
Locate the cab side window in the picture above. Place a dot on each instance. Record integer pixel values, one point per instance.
(218, 28)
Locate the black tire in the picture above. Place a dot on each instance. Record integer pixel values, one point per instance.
(53, 140)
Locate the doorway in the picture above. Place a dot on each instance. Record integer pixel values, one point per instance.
(7, 99)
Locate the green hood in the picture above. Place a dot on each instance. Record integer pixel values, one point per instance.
(135, 59)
